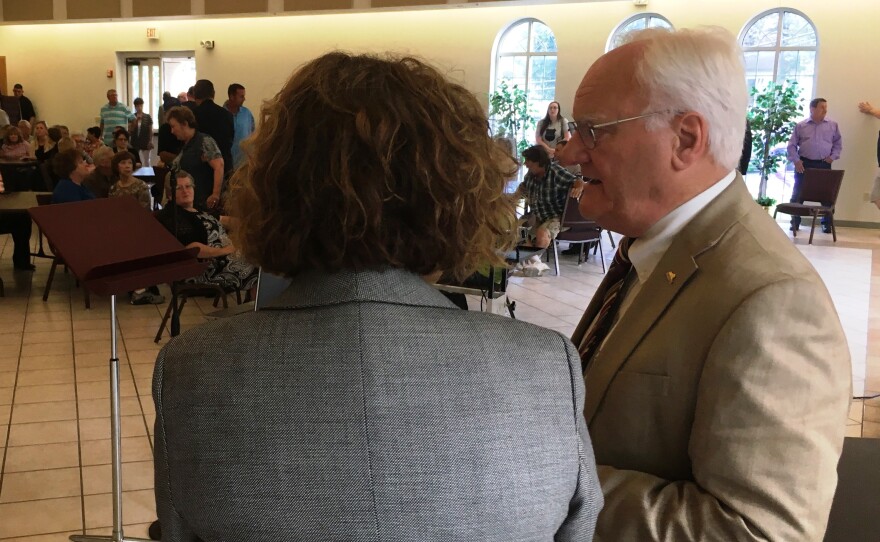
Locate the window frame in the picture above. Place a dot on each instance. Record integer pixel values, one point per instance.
(778, 49)
(631, 19)
(528, 54)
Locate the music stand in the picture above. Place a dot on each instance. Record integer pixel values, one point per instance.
(113, 246)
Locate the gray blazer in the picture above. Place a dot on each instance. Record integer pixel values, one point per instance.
(365, 406)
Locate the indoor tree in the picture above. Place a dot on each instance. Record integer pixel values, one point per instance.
(772, 119)
(509, 110)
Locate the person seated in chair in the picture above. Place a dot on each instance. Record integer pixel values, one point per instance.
(361, 404)
(14, 146)
(45, 141)
(546, 187)
(72, 170)
(101, 178)
(121, 139)
(194, 228)
(93, 141)
(122, 165)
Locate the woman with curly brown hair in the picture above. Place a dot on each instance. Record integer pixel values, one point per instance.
(361, 404)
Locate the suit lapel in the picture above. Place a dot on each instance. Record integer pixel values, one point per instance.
(651, 301)
(701, 234)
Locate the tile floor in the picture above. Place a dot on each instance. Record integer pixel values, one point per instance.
(54, 383)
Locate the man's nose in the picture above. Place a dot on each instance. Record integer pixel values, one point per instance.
(573, 153)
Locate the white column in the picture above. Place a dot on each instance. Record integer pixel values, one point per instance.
(198, 7)
(127, 9)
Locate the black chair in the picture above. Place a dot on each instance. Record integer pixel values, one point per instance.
(578, 230)
(18, 176)
(46, 199)
(820, 185)
(855, 511)
(46, 177)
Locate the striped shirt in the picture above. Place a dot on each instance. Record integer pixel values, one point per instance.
(113, 116)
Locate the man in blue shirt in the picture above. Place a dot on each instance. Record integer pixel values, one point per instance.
(243, 119)
(815, 143)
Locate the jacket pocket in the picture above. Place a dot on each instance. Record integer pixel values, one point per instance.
(643, 384)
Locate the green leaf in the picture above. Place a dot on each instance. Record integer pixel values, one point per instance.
(772, 119)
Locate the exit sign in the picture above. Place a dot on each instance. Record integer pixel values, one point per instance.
(152, 33)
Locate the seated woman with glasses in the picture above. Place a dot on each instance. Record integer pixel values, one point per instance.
(361, 404)
(194, 228)
(120, 144)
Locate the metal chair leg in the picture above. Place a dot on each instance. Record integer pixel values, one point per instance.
(555, 255)
(165, 318)
(50, 279)
(813, 228)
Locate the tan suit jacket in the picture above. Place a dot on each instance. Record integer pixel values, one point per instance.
(717, 405)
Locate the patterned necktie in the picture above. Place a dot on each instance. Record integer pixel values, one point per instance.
(615, 279)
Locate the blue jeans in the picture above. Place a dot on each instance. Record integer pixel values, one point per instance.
(796, 189)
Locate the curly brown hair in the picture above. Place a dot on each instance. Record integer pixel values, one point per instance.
(364, 162)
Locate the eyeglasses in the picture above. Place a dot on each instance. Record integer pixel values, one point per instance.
(587, 131)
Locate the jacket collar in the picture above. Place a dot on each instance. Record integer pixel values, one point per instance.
(395, 286)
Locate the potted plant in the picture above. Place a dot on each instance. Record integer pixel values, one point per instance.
(765, 202)
(772, 120)
(509, 111)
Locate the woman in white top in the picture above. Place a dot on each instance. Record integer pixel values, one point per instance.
(552, 129)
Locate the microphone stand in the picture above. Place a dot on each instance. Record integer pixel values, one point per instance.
(115, 445)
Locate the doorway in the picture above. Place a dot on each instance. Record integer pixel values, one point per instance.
(148, 77)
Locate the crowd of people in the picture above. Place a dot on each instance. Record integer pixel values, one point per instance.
(204, 145)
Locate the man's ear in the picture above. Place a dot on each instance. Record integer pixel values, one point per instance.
(692, 139)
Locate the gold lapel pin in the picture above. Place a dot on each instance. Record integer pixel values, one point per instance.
(670, 277)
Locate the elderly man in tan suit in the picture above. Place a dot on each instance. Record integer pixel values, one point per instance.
(717, 373)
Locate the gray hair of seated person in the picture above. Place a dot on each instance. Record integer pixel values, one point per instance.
(102, 153)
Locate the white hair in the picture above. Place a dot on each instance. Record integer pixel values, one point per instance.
(698, 70)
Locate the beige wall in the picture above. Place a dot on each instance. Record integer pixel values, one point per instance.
(63, 65)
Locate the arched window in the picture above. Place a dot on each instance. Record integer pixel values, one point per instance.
(636, 22)
(525, 55)
(780, 45)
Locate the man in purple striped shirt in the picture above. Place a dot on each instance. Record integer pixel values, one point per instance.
(815, 143)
